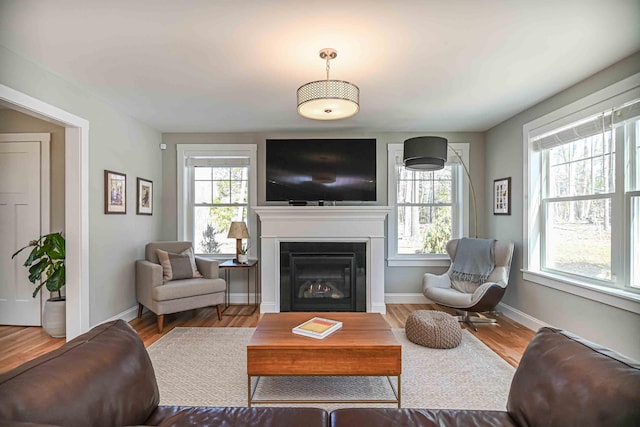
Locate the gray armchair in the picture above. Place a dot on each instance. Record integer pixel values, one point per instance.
(469, 297)
(179, 293)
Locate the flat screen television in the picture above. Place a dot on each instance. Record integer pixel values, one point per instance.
(321, 169)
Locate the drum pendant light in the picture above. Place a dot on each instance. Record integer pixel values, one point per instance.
(328, 99)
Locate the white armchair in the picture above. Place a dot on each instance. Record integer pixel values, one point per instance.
(469, 297)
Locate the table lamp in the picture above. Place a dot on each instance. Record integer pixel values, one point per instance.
(238, 231)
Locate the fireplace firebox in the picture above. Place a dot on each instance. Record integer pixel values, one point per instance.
(322, 276)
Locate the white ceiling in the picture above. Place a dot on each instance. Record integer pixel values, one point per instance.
(233, 66)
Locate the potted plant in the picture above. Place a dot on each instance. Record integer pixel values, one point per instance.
(243, 256)
(47, 259)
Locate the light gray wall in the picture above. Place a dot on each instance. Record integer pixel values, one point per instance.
(601, 323)
(116, 142)
(12, 121)
(397, 279)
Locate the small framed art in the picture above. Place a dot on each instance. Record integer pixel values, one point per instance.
(502, 196)
(115, 193)
(144, 205)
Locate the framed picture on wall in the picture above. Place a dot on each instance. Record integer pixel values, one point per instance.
(502, 196)
(144, 205)
(115, 192)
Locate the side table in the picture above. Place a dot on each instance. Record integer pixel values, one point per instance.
(232, 264)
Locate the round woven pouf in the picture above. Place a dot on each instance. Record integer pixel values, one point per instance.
(434, 329)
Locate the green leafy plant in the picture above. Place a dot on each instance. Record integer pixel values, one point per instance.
(46, 258)
(244, 249)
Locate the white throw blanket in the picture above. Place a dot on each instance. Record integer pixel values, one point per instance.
(474, 260)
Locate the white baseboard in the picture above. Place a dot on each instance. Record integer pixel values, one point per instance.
(390, 298)
(417, 298)
(405, 298)
(127, 315)
(523, 318)
(241, 298)
(268, 308)
(132, 313)
(379, 308)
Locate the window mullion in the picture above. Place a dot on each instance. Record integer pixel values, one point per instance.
(579, 198)
(545, 170)
(191, 197)
(619, 260)
(221, 205)
(212, 183)
(419, 205)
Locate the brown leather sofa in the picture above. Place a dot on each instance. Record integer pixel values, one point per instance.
(562, 380)
(105, 378)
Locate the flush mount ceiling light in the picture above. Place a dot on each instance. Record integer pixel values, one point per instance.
(328, 99)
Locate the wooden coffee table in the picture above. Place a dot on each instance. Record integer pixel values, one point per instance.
(364, 346)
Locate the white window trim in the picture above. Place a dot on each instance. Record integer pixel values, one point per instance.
(423, 260)
(184, 151)
(609, 97)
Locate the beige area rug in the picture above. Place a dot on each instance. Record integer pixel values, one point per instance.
(207, 367)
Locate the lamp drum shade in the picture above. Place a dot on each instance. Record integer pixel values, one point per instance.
(238, 230)
(425, 153)
(328, 100)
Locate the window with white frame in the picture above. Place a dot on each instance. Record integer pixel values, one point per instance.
(218, 187)
(428, 208)
(583, 222)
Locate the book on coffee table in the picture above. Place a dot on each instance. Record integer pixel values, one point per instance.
(317, 327)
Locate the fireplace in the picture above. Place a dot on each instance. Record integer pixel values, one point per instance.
(322, 276)
(320, 224)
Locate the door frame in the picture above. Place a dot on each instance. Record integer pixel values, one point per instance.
(45, 180)
(76, 186)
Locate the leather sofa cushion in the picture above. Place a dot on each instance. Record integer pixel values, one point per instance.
(166, 416)
(101, 378)
(418, 418)
(176, 289)
(564, 380)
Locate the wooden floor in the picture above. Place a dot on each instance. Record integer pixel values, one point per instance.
(19, 344)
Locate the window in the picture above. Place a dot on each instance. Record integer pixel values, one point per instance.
(218, 187)
(220, 197)
(427, 209)
(577, 200)
(583, 226)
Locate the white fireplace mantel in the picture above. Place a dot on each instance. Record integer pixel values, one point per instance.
(321, 224)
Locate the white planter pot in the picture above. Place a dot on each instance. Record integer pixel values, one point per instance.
(54, 318)
(243, 258)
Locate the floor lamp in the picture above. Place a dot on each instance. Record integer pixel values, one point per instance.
(429, 153)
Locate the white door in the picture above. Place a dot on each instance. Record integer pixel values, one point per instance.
(20, 222)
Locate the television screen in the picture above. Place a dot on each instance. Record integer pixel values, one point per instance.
(321, 169)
